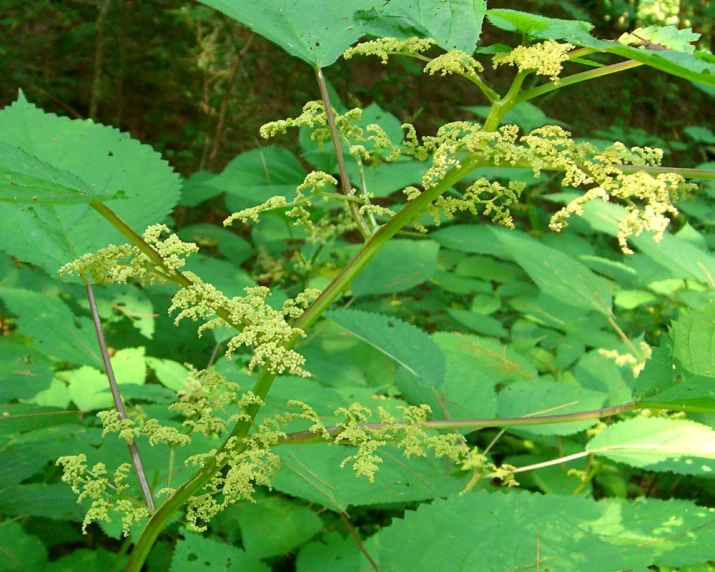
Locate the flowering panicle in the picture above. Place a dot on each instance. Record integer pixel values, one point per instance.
(454, 62)
(262, 328)
(120, 264)
(384, 47)
(106, 493)
(545, 58)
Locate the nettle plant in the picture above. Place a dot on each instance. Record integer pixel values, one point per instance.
(355, 407)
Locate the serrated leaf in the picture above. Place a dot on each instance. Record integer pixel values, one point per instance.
(314, 473)
(660, 38)
(26, 179)
(335, 553)
(483, 531)
(658, 444)
(526, 398)
(489, 358)
(397, 266)
(211, 236)
(694, 340)
(102, 157)
(253, 177)
(409, 346)
(559, 275)
(195, 553)
(56, 501)
(273, 526)
(453, 24)
(314, 31)
(20, 550)
(540, 27)
(50, 322)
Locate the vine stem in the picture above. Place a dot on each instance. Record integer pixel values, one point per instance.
(342, 167)
(116, 396)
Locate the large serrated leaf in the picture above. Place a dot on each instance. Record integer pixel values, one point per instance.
(559, 275)
(694, 338)
(314, 473)
(399, 265)
(26, 179)
(50, 322)
(409, 346)
(195, 553)
(527, 398)
(496, 532)
(315, 31)
(106, 160)
(658, 444)
(453, 24)
(694, 67)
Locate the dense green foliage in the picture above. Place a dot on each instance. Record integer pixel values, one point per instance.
(462, 342)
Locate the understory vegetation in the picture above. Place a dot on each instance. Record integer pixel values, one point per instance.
(358, 285)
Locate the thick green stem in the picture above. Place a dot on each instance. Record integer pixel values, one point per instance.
(576, 78)
(499, 108)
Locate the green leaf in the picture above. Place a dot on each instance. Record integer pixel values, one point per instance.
(195, 553)
(20, 417)
(273, 526)
(26, 179)
(489, 359)
(399, 265)
(106, 160)
(211, 236)
(694, 338)
(691, 66)
(335, 553)
(453, 24)
(20, 550)
(540, 27)
(482, 531)
(662, 37)
(24, 371)
(314, 31)
(257, 175)
(407, 345)
(658, 444)
(56, 501)
(559, 275)
(313, 473)
(525, 398)
(50, 322)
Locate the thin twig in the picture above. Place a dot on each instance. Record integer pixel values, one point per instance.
(114, 388)
(357, 540)
(342, 167)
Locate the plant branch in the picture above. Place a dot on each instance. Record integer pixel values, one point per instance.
(306, 437)
(203, 476)
(577, 78)
(342, 167)
(116, 396)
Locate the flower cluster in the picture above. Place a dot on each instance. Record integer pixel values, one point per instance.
(107, 494)
(546, 58)
(384, 47)
(120, 264)
(262, 328)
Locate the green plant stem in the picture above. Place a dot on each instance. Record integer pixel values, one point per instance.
(342, 167)
(161, 517)
(174, 275)
(577, 78)
(306, 437)
(499, 108)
